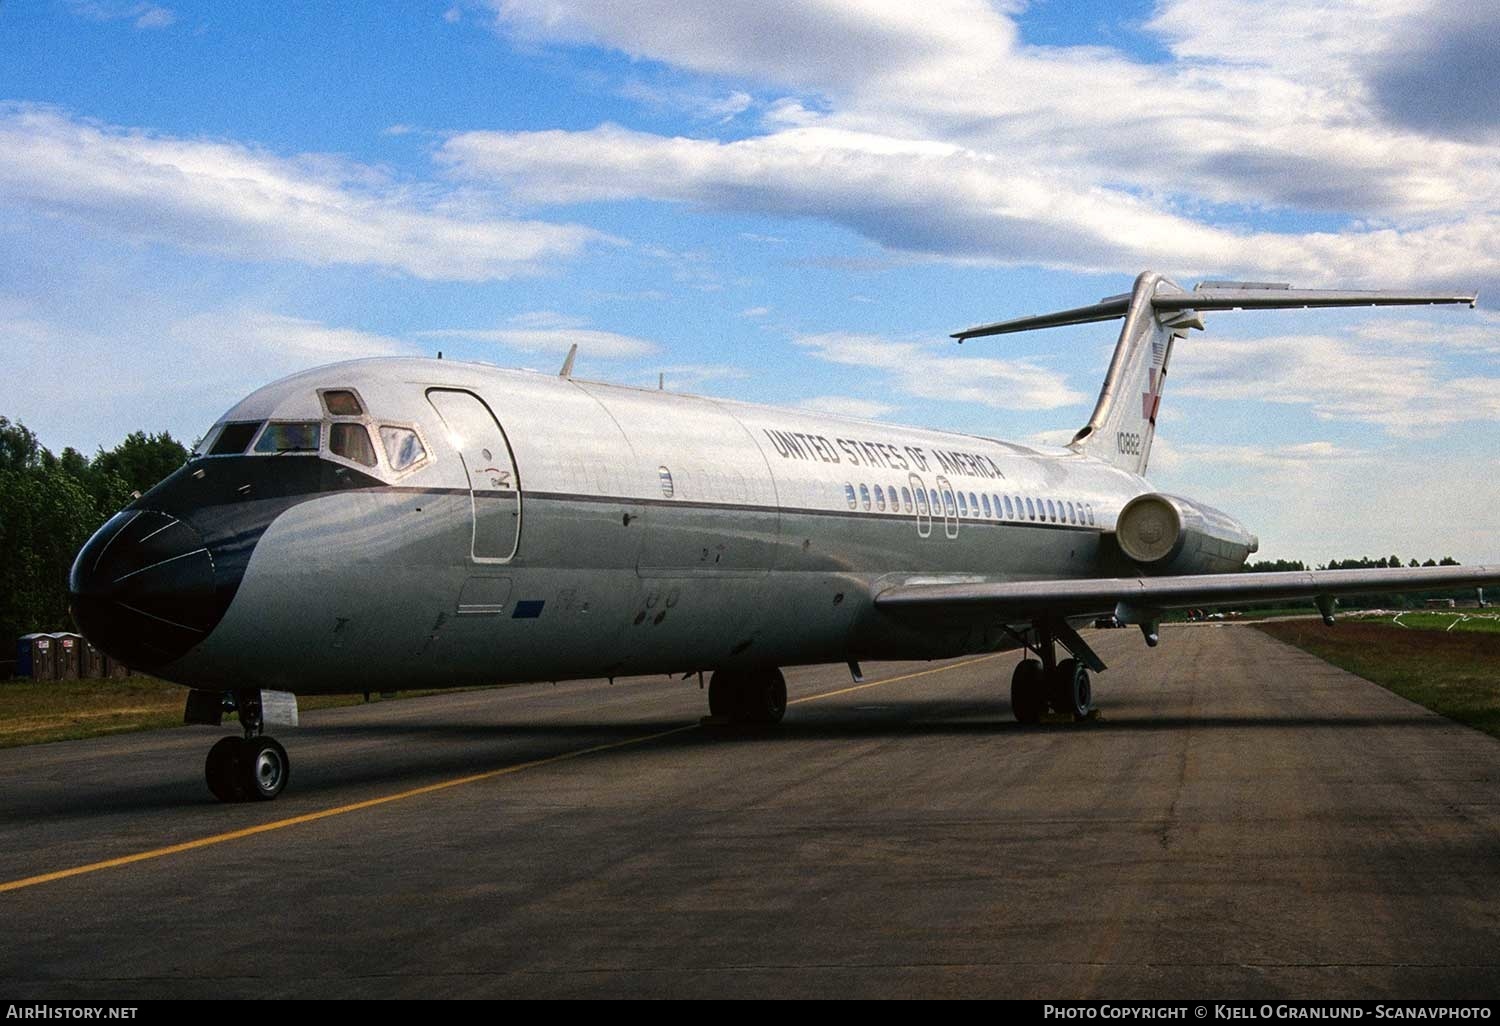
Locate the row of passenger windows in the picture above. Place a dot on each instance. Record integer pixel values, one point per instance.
(954, 503)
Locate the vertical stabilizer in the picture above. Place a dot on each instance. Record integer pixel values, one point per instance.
(1123, 424)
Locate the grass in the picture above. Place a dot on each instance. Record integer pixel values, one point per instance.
(1452, 621)
(32, 712)
(1455, 674)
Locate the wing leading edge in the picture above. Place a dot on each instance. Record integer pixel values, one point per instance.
(1142, 599)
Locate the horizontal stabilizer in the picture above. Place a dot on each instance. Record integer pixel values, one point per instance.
(1220, 296)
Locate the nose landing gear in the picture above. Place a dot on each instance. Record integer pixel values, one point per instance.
(250, 768)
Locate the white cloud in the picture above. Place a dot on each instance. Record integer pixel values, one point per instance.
(924, 372)
(932, 128)
(165, 369)
(261, 338)
(230, 200)
(548, 332)
(1403, 390)
(846, 406)
(1322, 501)
(142, 15)
(940, 198)
(755, 311)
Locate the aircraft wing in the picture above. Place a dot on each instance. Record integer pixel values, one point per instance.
(1142, 599)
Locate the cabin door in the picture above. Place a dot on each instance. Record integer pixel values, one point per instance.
(494, 490)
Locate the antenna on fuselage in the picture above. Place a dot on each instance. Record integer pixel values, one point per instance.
(661, 381)
(567, 367)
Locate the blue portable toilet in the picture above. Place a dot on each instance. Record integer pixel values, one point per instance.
(34, 656)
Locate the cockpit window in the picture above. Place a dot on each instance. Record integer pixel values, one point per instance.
(234, 437)
(403, 449)
(351, 441)
(342, 403)
(299, 436)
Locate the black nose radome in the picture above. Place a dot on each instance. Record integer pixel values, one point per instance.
(142, 588)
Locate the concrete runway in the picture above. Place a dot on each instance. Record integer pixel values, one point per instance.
(1244, 821)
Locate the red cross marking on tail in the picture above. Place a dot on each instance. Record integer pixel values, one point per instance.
(1151, 399)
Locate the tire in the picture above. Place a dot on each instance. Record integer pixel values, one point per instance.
(1071, 692)
(748, 696)
(264, 769)
(221, 769)
(1027, 698)
(767, 696)
(723, 690)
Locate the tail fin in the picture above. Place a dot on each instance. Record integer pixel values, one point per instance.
(1157, 313)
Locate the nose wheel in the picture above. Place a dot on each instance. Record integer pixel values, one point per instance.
(247, 769)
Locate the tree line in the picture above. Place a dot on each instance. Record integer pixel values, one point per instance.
(50, 504)
(1387, 600)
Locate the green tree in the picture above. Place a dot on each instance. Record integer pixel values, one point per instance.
(141, 460)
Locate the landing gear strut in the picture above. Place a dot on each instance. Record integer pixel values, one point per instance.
(755, 696)
(250, 768)
(1063, 686)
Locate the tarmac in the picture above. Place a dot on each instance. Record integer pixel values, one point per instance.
(1242, 821)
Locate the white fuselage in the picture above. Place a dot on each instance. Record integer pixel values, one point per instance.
(624, 531)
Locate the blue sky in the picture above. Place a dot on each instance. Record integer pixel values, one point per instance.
(788, 202)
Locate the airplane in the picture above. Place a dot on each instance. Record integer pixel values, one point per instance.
(403, 523)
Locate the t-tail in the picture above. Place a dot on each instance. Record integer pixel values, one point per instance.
(1157, 313)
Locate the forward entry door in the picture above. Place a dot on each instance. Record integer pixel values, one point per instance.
(494, 489)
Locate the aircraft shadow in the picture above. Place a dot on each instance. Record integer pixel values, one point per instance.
(412, 755)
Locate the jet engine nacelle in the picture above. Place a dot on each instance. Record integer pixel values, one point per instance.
(1167, 534)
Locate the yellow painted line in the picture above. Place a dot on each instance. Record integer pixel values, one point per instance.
(370, 803)
(313, 817)
(893, 680)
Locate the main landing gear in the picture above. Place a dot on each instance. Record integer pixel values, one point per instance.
(250, 768)
(1049, 683)
(754, 696)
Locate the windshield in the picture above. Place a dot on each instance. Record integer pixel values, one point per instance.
(299, 436)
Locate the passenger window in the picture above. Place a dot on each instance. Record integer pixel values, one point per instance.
(352, 442)
(403, 449)
(668, 489)
(1010, 511)
(1072, 518)
(303, 436)
(921, 502)
(1051, 511)
(880, 498)
(864, 495)
(906, 497)
(1030, 511)
(974, 503)
(948, 506)
(963, 507)
(987, 512)
(233, 438)
(1091, 514)
(849, 496)
(342, 403)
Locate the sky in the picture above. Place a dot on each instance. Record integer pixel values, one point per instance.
(786, 201)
